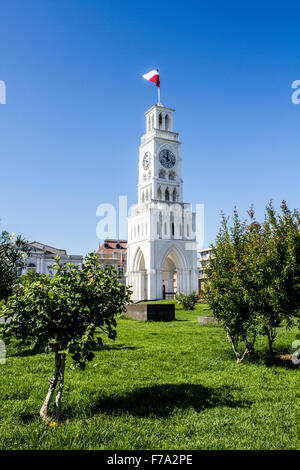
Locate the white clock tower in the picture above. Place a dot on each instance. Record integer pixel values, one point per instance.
(161, 251)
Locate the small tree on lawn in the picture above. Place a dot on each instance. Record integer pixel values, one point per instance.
(13, 252)
(226, 280)
(279, 264)
(254, 277)
(63, 314)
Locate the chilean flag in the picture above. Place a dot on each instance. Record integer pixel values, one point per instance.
(153, 76)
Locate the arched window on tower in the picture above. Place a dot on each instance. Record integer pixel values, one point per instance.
(159, 193)
(160, 121)
(165, 228)
(167, 122)
(162, 174)
(172, 175)
(167, 195)
(173, 229)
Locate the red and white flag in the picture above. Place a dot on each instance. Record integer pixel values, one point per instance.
(152, 76)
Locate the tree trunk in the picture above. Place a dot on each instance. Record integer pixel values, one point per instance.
(239, 358)
(52, 382)
(59, 372)
(270, 337)
(60, 387)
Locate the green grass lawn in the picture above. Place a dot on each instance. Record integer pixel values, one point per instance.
(161, 386)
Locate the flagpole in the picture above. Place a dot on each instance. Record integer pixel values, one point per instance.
(158, 87)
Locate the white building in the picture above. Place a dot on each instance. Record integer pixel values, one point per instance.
(41, 258)
(161, 250)
(203, 260)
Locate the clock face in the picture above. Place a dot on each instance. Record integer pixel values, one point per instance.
(167, 158)
(146, 160)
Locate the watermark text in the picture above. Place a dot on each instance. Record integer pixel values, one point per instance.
(2, 92)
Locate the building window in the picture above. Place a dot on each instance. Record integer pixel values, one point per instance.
(159, 193)
(173, 230)
(32, 267)
(172, 175)
(162, 174)
(167, 195)
(165, 228)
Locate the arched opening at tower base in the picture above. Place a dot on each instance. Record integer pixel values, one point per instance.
(169, 276)
(175, 274)
(170, 273)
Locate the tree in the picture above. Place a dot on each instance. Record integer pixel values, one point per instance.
(226, 280)
(64, 314)
(280, 265)
(13, 252)
(254, 277)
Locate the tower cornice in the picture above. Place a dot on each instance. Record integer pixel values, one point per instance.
(158, 106)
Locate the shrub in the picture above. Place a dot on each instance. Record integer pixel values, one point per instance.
(188, 302)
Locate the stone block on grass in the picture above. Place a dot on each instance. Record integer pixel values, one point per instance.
(154, 312)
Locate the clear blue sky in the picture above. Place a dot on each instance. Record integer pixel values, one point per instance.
(70, 130)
